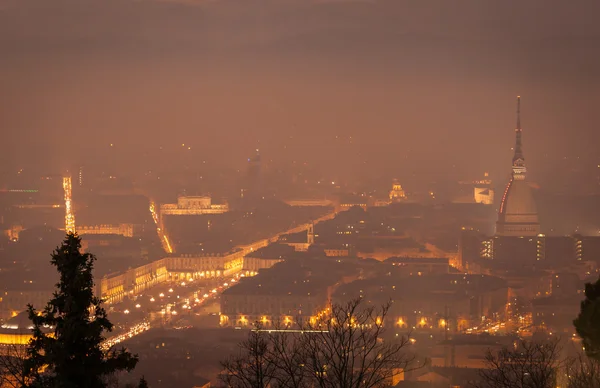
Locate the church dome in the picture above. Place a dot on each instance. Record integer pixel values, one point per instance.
(518, 211)
(518, 199)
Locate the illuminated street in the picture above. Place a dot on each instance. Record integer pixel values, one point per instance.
(164, 240)
(167, 305)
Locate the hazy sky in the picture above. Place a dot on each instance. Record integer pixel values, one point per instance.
(405, 85)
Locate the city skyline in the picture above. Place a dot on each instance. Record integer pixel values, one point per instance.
(295, 177)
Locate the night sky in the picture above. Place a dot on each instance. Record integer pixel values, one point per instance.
(402, 86)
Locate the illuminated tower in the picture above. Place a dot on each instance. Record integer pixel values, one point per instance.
(69, 216)
(518, 212)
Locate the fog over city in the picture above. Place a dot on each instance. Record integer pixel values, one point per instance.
(240, 165)
(418, 85)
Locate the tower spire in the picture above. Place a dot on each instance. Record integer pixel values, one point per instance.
(518, 113)
(518, 158)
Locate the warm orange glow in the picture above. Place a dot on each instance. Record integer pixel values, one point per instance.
(223, 319)
(69, 217)
(15, 339)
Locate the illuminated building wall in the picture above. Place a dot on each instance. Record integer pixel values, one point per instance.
(193, 206)
(204, 266)
(483, 191)
(15, 333)
(587, 248)
(7, 338)
(243, 309)
(309, 202)
(555, 251)
(335, 252)
(461, 300)
(256, 263)
(113, 288)
(122, 229)
(289, 290)
(348, 205)
(298, 246)
(484, 195)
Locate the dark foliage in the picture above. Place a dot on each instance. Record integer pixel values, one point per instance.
(71, 356)
(587, 323)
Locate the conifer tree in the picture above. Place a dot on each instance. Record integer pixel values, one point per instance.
(71, 355)
(143, 383)
(587, 323)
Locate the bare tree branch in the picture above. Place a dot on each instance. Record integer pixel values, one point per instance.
(529, 365)
(583, 372)
(12, 369)
(348, 351)
(341, 348)
(252, 367)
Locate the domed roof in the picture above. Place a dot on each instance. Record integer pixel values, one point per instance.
(518, 211)
(518, 199)
(19, 322)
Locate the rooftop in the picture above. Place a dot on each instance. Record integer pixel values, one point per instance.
(294, 277)
(417, 260)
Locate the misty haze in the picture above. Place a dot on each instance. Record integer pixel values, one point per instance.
(231, 192)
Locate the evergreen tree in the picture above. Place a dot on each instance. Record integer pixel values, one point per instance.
(587, 323)
(72, 356)
(143, 383)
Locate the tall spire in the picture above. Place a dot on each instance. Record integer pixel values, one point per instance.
(518, 158)
(518, 147)
(518, 113)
